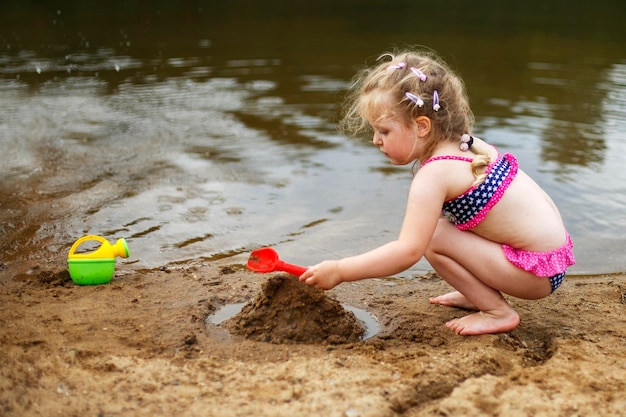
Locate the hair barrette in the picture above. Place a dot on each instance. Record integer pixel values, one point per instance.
(399, 65)
(415, 99)
(419, 73)
(466, 142)
(436, 105)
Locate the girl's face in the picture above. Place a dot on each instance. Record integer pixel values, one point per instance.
(396, 140)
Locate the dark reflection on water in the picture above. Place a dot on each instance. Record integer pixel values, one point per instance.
(203, 128)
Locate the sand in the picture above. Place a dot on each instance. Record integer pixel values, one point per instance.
(141, 345)
(288, 311)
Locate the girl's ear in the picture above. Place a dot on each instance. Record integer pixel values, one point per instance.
(424, 125)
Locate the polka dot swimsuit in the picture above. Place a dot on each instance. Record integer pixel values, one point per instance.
(470, 208)
(552, 264)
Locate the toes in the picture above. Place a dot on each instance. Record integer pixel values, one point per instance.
(455, 325)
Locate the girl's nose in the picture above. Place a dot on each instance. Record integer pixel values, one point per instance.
(376, 140)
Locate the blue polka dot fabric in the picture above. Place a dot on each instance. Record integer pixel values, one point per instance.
(470, 208)
(556, 280)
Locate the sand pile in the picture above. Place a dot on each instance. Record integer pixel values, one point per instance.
(288, 311)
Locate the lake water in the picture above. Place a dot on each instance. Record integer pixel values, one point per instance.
(203, 131)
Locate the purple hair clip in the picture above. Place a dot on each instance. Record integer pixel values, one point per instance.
(415, 99)
(419, 73)
(436, 105)
(466, 142)
(399, 65)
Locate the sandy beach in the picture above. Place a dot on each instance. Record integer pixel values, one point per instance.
(142, 345)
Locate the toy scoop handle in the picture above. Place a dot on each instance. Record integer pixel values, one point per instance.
(290, 268)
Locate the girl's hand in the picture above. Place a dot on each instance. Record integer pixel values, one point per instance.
(324, 275)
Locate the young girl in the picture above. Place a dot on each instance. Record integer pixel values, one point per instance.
(481, 222)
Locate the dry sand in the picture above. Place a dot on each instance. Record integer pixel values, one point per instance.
(141, 345)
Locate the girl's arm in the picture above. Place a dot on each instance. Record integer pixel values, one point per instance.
(422, 213)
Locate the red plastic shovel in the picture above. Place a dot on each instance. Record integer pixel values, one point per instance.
(266, 260)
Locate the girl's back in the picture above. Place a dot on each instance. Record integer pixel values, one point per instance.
(524, 217)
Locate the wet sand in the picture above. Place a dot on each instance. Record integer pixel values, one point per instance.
(141, 345)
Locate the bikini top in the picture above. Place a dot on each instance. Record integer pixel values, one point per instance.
(470, 208)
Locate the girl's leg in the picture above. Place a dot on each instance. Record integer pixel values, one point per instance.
(478, 270)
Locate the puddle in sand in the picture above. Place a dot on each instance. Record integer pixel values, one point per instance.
(372, 327)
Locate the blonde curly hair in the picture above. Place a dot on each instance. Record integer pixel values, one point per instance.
(380, 93)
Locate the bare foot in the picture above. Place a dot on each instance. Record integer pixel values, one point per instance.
(485, 322)
(453, 299)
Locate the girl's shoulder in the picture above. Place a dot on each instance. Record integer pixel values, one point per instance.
(447, 158)
(452, 154)
(450, 175)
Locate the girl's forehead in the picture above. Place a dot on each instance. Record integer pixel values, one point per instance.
(388, 123)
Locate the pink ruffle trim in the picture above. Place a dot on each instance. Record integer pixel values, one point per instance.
(542, 264)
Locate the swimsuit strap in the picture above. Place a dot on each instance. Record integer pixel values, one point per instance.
(448, 158)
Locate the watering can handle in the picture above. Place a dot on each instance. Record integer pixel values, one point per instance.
(85, 239)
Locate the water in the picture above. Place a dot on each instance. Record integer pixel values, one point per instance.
(201, 130)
